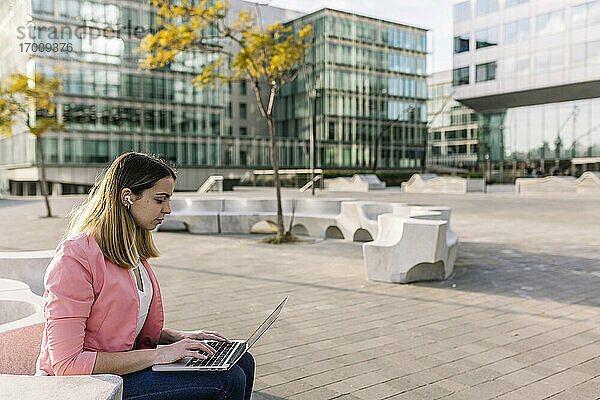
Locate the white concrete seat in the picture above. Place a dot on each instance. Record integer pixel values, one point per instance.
(443, 214)
(19, 306)
(408, 250)
(358, 183)
(19, 350)
(197, 215)
(549, 184)
(431, 183)
(358, 219)
(21, 330)
(588, 182)
(26, 266)
(241, 214)
(312, 217)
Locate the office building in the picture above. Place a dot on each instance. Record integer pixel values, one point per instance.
(363, 77)
(531, 69)
(110, 107)
(452, 128)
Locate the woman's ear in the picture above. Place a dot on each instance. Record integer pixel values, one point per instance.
(126, 197)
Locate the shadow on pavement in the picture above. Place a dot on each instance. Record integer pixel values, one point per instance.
(496, 269)
(264, 396)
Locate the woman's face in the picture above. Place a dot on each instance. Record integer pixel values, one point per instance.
(149, 209)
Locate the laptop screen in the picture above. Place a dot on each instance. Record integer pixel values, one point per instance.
(266, 324)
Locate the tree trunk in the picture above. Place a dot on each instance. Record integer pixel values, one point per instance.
(42, 167)
(275, 165)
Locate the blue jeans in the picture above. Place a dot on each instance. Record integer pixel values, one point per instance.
(235, 384)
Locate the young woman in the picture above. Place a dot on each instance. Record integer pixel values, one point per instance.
(102, 301)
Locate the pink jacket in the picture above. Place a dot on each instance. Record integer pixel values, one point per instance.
(91, 305)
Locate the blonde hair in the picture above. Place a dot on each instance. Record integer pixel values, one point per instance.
(104, 217)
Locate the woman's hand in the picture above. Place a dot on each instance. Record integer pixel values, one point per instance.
(205, 335)
(183, 348)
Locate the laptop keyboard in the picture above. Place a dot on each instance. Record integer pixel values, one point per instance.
(222, 351)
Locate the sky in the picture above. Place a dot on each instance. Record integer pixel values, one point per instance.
(435, 15)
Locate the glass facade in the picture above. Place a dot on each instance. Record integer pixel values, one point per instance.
(548, 54)
(108, 105)
(549, 131)
(452, 141)
(363, 77)
(369, 73)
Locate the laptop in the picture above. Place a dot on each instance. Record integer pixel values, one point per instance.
(226, 354)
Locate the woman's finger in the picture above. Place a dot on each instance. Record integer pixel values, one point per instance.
(206, 348)
(195, 354)
(219, 336)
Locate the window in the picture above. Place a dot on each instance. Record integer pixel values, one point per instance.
(462, 11)
(516, 65)
(486, 6)
(215, 124)
(585, 13)
(549, 60)
(242, 110)
(485, 72)
(242, 88)
(548, 23)
(486, 37)
(228, 111)
(461, 43)
(461, 76)
(593, 53)
(510, 3)
(243, 131)
(578, 14)
(43, 7)
(516, 30)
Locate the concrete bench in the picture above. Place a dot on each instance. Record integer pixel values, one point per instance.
(312, 217)
(194, 215)
(21, 329)
(19, 306)
(431, 183)
(588, 182)
(26, 266)
(549, 184)
(358, 219)
(408, 250)
(241, 214)
(432, 258)
(358, 183)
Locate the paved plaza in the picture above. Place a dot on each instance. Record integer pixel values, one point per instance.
(519, 318)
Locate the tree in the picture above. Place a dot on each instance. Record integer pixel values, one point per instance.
(31, 101)
(242, 49)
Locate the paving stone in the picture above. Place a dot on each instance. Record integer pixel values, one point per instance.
(522, 322)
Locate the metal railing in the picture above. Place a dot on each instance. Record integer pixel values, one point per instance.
(209, 183)
(310, 183)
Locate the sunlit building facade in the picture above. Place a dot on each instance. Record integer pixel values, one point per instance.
(109, 106)
(532, 71)
(452, 128)
(363, 77)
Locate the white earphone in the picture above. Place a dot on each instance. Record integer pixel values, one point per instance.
(128, 199)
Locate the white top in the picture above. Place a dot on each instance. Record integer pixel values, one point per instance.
(145, 296)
